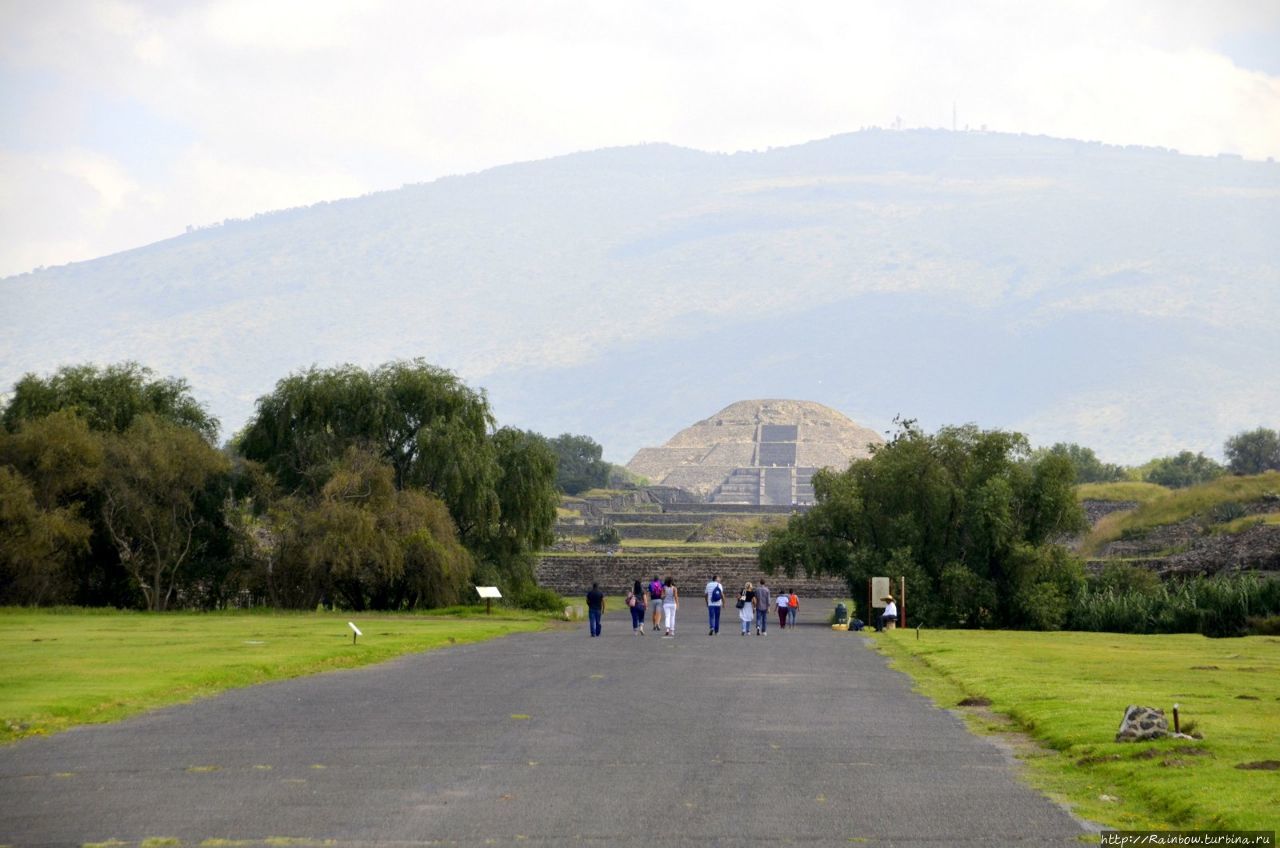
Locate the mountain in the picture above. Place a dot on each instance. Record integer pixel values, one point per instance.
(1125, 298)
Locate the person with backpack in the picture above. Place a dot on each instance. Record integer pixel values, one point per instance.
(763, 597)
(747, 607)
(792, 609)
(714, 594)
(670, 603)
(655, 598)
(636, 601)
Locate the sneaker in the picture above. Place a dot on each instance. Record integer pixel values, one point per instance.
(711, 632)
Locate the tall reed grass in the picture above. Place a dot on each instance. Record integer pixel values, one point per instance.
(1213, 606)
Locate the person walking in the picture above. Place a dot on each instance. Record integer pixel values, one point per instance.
(747, 607)
(636, 601)
(714, 594)
(763, 597)
(595, 608)
(793, 608)
(655, 598)
(784, 603)
(670, 603)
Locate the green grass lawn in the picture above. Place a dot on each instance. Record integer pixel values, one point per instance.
(1122, 491)
(60, 668)
(1069, 691)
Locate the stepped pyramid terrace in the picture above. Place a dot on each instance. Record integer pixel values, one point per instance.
(756, 452)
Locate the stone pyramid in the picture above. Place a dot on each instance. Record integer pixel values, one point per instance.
(756, 452)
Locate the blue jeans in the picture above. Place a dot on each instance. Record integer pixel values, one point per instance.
(637, 617)
(593, 619)
(762, 620)
(713, 618)
(791, 616)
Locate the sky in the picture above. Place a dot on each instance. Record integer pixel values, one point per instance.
(123, 123)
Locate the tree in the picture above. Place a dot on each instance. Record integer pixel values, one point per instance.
(366, 544)
(35, 542)
(1088, 468)
(1184, 469)
(109, 399)
(966, 515)
(1253, 451)
(156, 477)
(580, 466)
(435, 434)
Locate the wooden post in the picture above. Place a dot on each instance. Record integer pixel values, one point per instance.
(902, 595)
(488, 606)
(870, 609)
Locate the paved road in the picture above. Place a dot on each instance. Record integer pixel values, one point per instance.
(801, 737)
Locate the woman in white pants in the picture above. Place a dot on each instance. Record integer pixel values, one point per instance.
(670, 602)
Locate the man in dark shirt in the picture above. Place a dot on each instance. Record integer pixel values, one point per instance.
(595, 608)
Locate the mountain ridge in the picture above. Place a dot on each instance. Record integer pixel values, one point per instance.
(665, 275)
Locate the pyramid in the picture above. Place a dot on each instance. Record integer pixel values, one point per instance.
(760, 452)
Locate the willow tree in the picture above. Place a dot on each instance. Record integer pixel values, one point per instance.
(435, 434)
(109, 398)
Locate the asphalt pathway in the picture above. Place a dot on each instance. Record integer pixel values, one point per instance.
(554, 738)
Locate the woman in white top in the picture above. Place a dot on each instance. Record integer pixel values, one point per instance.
(784, 603)
(746, 607)
(670, 602)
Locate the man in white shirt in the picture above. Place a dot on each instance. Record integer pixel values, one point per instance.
(890, 613)
(714, 595)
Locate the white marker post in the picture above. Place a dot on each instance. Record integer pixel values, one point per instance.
(355, 631)
(488, 593)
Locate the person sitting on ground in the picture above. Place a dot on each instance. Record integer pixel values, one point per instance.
(890, 613)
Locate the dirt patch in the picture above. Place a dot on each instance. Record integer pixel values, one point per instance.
(1149, 754)
(975, 702)
(1175, 763)
(1261, 765)
(1097, 758)
(1205, 668)
(1247, 698)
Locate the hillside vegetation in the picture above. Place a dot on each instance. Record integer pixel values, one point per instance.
(1218, 505)
(957, 273)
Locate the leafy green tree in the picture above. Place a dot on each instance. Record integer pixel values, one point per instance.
(432, 430)
(157, 480)
(1184, 469)
(966, 515)
(1253, 451)
(1089, 469)
(109, 398)
(35, 542)
(580, 465)
(363, 543)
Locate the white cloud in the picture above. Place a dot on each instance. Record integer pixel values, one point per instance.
(289, 98)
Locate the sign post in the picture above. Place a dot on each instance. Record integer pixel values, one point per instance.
(355, 631)
(488, 593)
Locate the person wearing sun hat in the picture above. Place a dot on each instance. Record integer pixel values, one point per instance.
(890, 613)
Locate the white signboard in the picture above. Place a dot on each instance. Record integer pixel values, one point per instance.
(488, 592)
(879, 589)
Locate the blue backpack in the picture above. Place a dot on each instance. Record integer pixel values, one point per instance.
(716, 594)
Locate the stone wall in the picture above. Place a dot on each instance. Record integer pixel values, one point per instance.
(573, 575)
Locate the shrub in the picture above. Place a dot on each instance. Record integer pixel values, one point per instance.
(606, 535)
(537, 598)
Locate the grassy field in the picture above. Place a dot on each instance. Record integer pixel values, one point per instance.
(1069, 691)
(59, 669)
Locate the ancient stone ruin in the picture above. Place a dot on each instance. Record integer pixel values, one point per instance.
(756, 452)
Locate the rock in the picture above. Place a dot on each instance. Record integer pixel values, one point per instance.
(1142, 723)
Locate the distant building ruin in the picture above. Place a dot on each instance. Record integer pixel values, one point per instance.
(756, 452)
